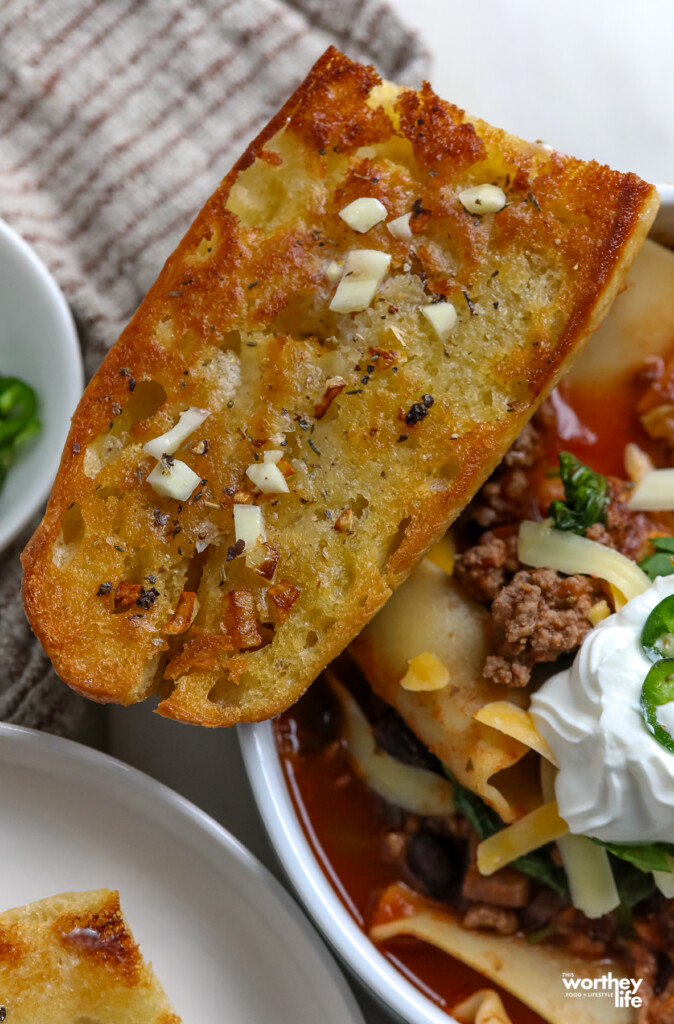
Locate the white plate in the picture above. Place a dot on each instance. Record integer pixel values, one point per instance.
(226, 940)
(314, 889)
(38, 343)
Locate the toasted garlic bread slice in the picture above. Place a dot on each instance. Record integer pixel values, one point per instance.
(72, 958)
(363, 367)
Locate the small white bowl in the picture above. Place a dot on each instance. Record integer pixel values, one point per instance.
(297, 856)
(38, 343)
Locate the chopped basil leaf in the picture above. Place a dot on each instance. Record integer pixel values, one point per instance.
(633, 885)
(537, 865)
(646, 856)
(660, 562)
(585, 496)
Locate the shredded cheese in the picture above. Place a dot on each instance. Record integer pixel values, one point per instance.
(425, 673)
(665, 879)
(587, 865)
(541, 826)
(541, 546)
(514, 721)
(654, 492)
(414, 789)
(442, 554)
(598, 612)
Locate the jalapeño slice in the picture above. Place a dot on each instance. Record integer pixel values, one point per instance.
(657, 637)
(658, 689)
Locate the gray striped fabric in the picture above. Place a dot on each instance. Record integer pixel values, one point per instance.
(117, 119)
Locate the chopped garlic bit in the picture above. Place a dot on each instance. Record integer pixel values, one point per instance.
(248, 525)
(364, 270)
(333, 271)
(483, 199)
(267, 477)
(362, 214)
(441, 316)
(425, 672)
(272, 455)
(400, 228)
(172, 478)
(168, 443)
(598, 611)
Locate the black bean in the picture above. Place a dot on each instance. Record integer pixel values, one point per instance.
(397, 739)
(435, 862)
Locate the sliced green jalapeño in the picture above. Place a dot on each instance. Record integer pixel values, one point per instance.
(657, 637)
(658, 689)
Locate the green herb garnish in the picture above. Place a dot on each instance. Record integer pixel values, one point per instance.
(660, 562)
(645, 856)
(586, 496)
(537, 865)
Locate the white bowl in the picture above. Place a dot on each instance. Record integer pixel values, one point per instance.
(38, 343)
(312, 886)
(298, 859)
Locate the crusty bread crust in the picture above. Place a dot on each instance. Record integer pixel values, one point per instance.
(72, 958)
(238, 323)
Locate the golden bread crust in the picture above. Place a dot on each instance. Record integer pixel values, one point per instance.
(238, 323)
(72, 957)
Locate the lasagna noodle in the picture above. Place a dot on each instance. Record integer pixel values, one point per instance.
(431, 613)
(532, 973)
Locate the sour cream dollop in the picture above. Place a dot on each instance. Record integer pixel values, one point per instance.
(615, 781)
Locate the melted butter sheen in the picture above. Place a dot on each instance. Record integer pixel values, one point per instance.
(615, 782)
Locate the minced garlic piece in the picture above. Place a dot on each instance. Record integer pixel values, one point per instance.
(400, 228)
(425, 672)
(172, 478)
(441, 316)
(267, 477)
(248, 525)
(364, 213)
(272, 455)
(333, 271)
(483, 199)
(364, 270)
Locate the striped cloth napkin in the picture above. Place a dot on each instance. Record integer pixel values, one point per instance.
(117, 119)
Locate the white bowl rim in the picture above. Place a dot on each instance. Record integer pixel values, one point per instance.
(314, 888)
(157, 794)
(10, 530)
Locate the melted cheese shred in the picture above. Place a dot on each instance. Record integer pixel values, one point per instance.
(541, 826)
(543, 547)
(414, 789)
(517, 723)
(654, 492)
(587, 865)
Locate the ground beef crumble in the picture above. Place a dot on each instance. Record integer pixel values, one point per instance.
(537, 617)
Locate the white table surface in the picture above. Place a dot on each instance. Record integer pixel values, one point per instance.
(593, 78)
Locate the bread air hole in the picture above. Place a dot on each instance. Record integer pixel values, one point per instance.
(70, 536)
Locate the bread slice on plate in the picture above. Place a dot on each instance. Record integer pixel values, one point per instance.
(346, 341)
(72, 959)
